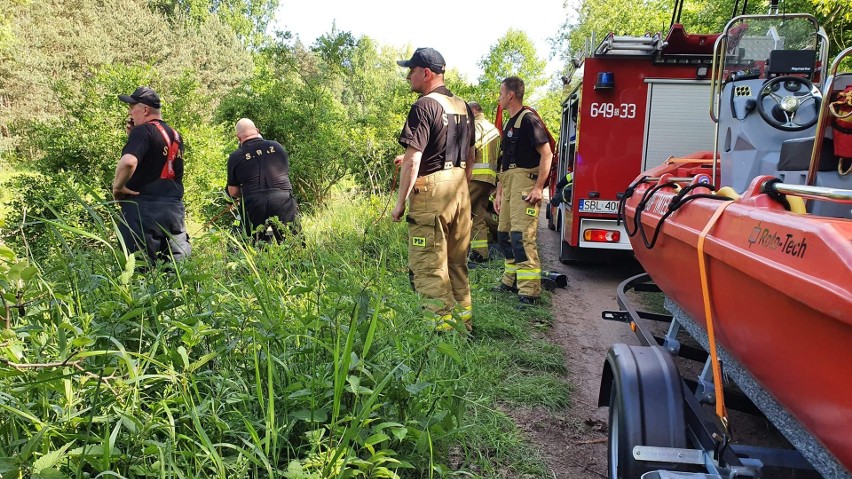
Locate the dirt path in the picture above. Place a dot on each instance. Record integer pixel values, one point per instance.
(574, 441)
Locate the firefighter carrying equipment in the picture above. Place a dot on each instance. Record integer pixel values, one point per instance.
(455, 115)
(168, 172)
(841, 123)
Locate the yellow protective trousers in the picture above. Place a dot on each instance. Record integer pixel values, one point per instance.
(480, 191)
(439, 237)
(517, 232)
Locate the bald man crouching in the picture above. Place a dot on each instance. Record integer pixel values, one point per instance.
(259, 173)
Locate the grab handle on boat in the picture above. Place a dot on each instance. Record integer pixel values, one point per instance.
(836, 195)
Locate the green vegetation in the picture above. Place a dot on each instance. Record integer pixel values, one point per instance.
(625, 17)
(310, 359)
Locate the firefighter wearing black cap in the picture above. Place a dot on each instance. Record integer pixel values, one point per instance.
(482, 183)
(437, 164)
(148, 181)
(259, 173)
(523, 169)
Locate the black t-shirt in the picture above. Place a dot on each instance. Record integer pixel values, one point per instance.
(425, 131)
(526, 138)
(151, 150)
(259, 164)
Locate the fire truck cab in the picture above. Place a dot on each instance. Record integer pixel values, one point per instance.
(630, 102)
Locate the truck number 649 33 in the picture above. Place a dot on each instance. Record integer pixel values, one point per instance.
(611, 110)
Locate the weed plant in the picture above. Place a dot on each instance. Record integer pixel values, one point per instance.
(307, 359)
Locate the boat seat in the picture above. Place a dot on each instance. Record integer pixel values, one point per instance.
(796, 155)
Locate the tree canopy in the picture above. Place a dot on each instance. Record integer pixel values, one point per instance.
(590, 20)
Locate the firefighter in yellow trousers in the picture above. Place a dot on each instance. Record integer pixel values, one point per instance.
(523, 169)
(435, 170)
(483, 182)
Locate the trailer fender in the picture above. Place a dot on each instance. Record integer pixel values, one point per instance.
(643, 387)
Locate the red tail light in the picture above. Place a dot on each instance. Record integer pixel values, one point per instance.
(602, 236)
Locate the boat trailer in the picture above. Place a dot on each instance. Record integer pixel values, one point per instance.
(660, 426)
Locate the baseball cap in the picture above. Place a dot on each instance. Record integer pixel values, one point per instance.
(425, 58)
(144, 95)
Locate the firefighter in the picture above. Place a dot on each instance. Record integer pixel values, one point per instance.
(482, 184)
(148, 182)
(525, 158)
(563, 190)
(259, 173)
(435, 169)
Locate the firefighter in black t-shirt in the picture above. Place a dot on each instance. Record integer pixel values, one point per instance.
(523, 169)
(436, 167)
(259, 172)
(148, 181)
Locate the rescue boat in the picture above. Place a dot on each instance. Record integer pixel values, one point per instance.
(758, 231)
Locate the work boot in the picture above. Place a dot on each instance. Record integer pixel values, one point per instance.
(525, 302)
(443, 323)
(465, 313)
(476, 257)
(502, 288)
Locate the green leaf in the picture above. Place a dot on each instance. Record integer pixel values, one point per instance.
(183, 354)
(318, 415)
(82, 342)
(49, 473)
(399, 432)
(449, 350)
(376, 438)
(202, 361)
(129, 266)
(50, 459)
(28, 273)
(8, 465)
(7, 253)
(131, 314)
(417, 387)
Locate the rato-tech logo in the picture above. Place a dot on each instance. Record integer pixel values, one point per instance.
(786, 243)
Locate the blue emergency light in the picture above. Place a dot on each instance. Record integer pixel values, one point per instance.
(605, 80)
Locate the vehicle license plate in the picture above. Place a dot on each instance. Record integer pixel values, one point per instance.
(599, 206)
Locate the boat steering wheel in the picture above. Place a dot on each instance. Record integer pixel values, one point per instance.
(781, 113)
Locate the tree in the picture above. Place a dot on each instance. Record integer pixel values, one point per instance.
(594, 19)
(59, 44)
(247, 18)
(513, 54)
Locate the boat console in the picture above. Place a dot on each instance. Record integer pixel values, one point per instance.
(772, 83)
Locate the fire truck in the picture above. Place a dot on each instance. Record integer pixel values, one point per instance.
(630, 101)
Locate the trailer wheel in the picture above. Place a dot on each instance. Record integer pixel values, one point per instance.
(645, 407)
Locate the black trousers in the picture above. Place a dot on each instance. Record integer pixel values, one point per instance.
(156, 226)
(260, 206)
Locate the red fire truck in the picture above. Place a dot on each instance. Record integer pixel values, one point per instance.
(629, 103)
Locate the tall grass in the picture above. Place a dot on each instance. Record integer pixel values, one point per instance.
(308, 359)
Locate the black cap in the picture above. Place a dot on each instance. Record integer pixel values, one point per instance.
(425, 58)
(144, 95)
